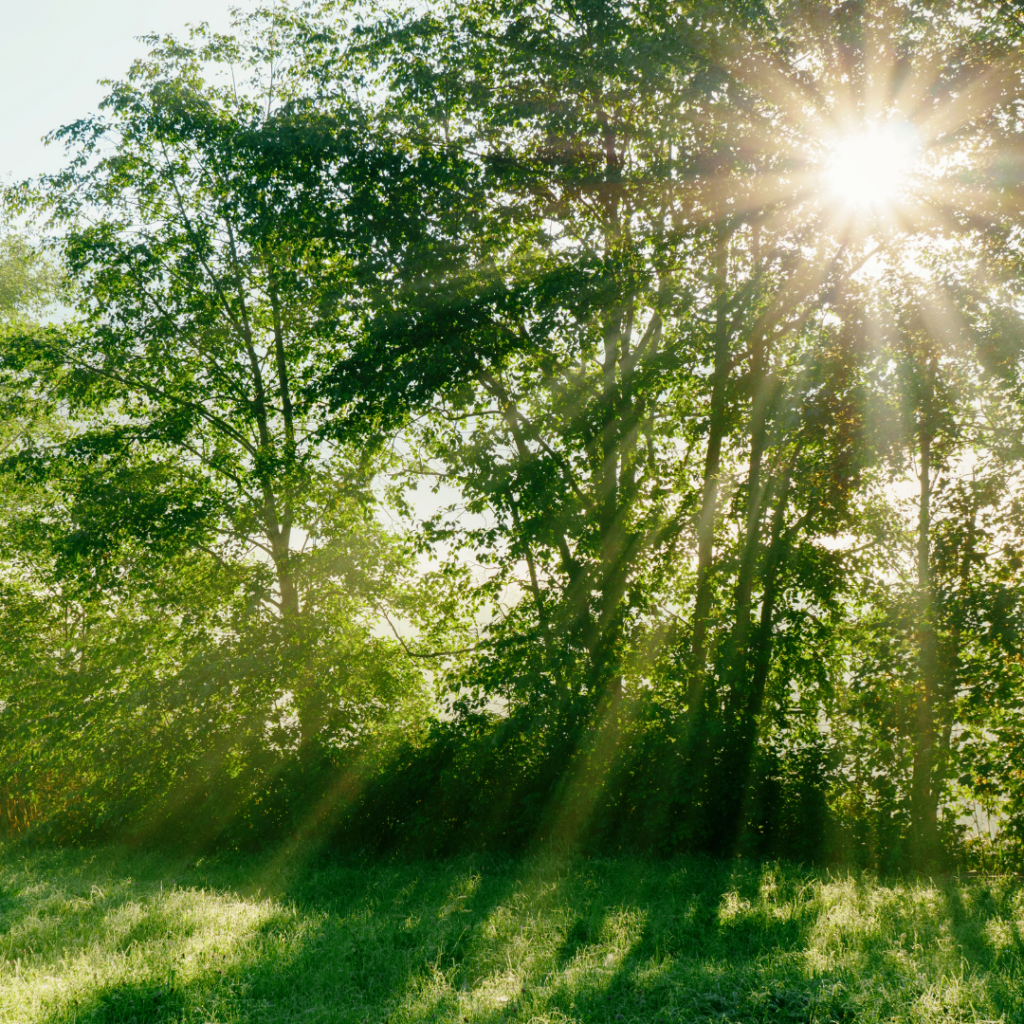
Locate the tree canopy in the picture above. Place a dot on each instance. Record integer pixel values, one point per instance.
(702, 324)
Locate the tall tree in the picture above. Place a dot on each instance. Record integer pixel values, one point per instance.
(204, 294)
(204, 297)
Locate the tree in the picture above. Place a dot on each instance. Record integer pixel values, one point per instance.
(641, 276)
(589, 266)
(186, 507)
(206, 295)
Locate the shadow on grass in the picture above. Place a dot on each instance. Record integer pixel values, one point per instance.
(332, 943)
(497, 942)
(985, 921)
(698, 931)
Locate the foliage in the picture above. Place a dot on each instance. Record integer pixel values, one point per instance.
(724, 547)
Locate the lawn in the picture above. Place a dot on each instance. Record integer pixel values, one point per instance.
(109, 936)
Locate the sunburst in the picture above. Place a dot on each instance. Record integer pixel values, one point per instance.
(872, 169)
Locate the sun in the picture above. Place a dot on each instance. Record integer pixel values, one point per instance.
(870, 169)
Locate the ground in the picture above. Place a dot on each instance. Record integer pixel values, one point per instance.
(113, 936)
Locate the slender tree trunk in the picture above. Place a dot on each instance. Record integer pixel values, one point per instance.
(285, 581)
(717, 428)
(282, 552)
(925, 785)
(754, 661)
(757, 495)
(612, 446)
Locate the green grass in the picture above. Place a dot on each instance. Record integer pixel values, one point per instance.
(111, 936)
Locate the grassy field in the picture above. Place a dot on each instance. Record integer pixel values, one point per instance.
(108, 936)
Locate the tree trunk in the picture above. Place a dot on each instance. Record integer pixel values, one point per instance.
(925, 785)
(749, 671)
(717, 427)
(757, 497)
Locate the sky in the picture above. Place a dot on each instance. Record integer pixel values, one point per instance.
(53, 52)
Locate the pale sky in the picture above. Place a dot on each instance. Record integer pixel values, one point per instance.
(52, 52)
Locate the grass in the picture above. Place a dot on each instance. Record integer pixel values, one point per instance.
(109, 936)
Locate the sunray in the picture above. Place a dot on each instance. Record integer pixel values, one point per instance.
(867, 140)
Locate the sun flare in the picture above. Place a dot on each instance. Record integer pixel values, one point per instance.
(871, 168)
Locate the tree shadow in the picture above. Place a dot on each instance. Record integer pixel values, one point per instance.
(334, 936)
(985, 921)
(501, 942)
(702, 928)
(740, 943)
